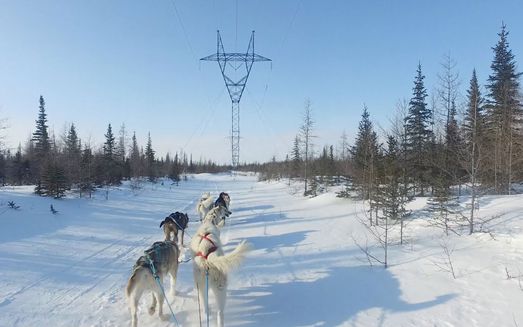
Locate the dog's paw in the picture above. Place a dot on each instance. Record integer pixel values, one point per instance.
(165, 317)
(151, 310)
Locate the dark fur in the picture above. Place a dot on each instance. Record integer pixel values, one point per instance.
(223, 201)
(173, 223)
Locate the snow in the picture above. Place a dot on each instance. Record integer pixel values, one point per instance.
(70, 268)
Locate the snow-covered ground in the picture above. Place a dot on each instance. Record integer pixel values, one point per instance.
(70, 268)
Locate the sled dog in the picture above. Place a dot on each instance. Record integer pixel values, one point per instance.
(204, 205)
(217, 216)
(208, 256)
(172, 224)
(160, 260)
(223, 200)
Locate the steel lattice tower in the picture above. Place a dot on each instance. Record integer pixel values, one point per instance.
(235, 61)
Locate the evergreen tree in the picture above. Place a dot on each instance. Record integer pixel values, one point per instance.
(87, 172)
(41, 139)
(149, 159)
(135, 158)
(419, 133)
(365, 156)
(453, 147)
(42, 145)
(109, 143)
(503, 116)
(72, 153)
(111, 170)
(19, 168)
(473, 126)
(392, 197)
(54, 181)
(174, 173)
(296, 158)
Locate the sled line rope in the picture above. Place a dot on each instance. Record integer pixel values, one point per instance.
(199, 305)
(207, 294)
(157, 278)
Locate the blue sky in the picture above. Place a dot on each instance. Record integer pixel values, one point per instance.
(136, 63)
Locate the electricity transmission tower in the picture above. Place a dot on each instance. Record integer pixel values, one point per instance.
(235, 61)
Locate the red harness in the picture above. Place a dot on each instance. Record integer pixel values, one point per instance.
(211, 250)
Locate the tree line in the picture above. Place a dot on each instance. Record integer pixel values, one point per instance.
(435, 145)
(55, 165)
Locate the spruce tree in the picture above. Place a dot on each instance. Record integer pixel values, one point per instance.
(54, 181)
(503, 116)
(474, 145)
(392, 197)
(112, 172)
(109, 143)
(42, 145)
(174, 172)
(365, 156)
(134, 157)
(418, 133)
(453, 147)
(149, 159)
(296, 158)
(87, 171)
(72, 153)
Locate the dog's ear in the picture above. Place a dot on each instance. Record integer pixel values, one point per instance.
(161, 224)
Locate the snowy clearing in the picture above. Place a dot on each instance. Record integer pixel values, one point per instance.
(70, 268)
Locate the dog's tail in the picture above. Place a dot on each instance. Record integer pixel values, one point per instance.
(231, 260)
(131, 284)
(139, 276)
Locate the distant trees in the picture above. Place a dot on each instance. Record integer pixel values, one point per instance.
(431, 149)
(58, 165)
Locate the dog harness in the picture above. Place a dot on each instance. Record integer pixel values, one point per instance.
(211, 250)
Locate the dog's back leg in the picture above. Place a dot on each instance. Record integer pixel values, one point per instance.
(152, 308)
(134, 292)
(199, 280)
(221, 296)
(172, 274)
(159, 295)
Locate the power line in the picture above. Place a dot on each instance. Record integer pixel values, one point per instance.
(235, 87)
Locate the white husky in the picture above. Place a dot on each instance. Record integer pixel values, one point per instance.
(204, 205)
(211, 265)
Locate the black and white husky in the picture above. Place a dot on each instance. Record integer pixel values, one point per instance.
(161, 259)
(211, 265)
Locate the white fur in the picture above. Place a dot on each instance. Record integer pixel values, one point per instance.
(217, 263)
(216, 216)
(204, 205)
